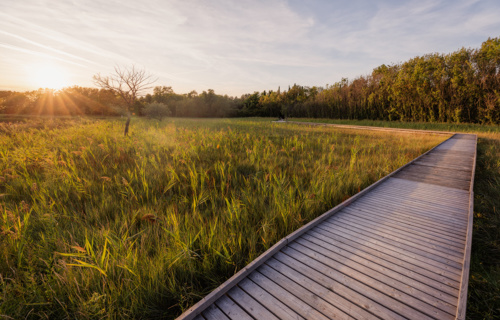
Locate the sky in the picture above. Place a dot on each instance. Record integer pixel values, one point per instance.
(233, 47)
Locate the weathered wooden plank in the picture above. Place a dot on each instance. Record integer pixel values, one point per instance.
(442, 156)
(411, 195)
(447, 159)
(213, 313)
(393, 242)
(423, 223)
(435, 179)
(448, 152)
(275, 306)
(296, 303)
(445, 172)
(458, 216)
(449, 155)
(464, 136)
(438, 173)
(362, 294)
(351, 301)
(420, 173)
(413, 198)
(426, 210)
(231, 309)
(455, 216)
(441, 172)
(199, 317)
(458, 145)
(417, 265)
(250, 305)
(415, 168)
(422, 217)
(438, 266)
(416, 195)
(440, 181)
(403, 223)
(433, 248)
(424, 188)
(420, 189)
(381, 262)
(460, 142)
(387, 225)
(413, 269)
(410, 235)
(379, 276)
(311, 293)
(401, 185)
(415, 210)
(399, 246)
(440, 165)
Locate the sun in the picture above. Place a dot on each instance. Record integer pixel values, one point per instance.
(49, 75)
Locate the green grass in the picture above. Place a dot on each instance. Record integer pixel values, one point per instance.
(484, 280)
(96, 225)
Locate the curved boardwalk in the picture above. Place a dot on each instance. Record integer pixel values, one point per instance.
(398, 249)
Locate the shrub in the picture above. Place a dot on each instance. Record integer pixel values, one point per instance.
(157, 110)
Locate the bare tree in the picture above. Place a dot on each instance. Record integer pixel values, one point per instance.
(128, 83)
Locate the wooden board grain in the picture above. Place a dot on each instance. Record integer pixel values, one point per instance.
(267, 300)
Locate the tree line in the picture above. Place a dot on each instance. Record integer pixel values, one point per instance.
(463, 86)
(77, 100)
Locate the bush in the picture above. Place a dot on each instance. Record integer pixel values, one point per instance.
(157, 110)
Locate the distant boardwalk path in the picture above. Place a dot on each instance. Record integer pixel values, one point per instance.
(398, 249)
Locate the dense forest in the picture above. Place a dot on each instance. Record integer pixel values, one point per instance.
(463, 86)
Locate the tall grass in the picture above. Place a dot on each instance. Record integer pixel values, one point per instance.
(95, 225)
(484, 280)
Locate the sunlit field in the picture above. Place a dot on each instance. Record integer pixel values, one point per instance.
(97, 225)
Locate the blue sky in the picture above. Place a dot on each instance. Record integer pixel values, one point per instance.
(233, 47)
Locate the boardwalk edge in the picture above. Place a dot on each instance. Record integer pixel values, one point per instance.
(464, 282)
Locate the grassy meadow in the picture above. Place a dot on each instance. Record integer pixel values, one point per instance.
(97, 225)
(484, 281)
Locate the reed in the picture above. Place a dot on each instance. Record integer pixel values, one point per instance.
(97, 225)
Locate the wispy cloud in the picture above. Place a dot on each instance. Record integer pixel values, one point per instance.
(58, 52)
(36, 53)
(237, 47)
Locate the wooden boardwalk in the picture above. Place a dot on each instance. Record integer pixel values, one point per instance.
(399, 249)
